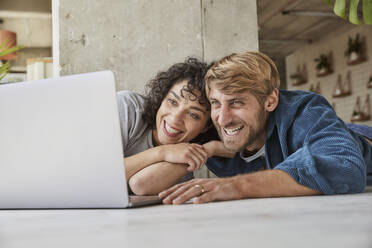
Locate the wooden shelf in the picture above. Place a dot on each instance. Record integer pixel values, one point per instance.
(323, 74)
(357, 61)
(342, 89)
(361, 113)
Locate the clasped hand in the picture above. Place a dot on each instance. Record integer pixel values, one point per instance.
(194, 155)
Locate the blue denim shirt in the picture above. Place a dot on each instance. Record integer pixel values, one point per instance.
(307, 140)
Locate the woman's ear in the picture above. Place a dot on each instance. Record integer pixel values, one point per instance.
(272, 101)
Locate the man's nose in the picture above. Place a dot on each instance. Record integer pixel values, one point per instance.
(224, 116)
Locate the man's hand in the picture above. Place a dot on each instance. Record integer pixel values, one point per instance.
(205, 190)
(194, 155)
(270, 183)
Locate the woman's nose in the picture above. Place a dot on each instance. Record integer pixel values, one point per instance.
(177, 116)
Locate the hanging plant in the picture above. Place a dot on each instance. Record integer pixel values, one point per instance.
(353, 46)
(323, 65)
(339, 8)
(354, 50)
(297, 79)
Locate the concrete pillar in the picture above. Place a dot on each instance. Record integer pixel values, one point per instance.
(137, 38)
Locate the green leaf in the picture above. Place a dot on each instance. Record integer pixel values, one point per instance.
(10, 50)
(353, 12)
(367, 11)
(327, 2)
(340, 8)
(1, 77)
(4, 69)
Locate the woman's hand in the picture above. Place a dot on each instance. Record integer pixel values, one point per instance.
(216, 148)
(194, 155)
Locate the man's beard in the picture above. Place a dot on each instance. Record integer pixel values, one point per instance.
(253, 133)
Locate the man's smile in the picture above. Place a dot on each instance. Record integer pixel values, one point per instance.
(233, 131)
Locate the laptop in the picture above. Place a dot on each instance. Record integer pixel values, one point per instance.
(60, 145)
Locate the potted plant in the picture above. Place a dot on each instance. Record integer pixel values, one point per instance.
(323, 66)
(356, 116)
(297, 79)
(5, 66)
(354, 50)
(315, 89)
(361, 113)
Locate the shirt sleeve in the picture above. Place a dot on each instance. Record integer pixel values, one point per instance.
(328, 158)
(130, 110)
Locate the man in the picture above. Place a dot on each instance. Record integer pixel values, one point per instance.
(288, 143)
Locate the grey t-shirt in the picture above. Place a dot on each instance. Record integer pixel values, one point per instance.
(135, 132)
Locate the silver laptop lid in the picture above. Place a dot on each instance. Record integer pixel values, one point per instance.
(60, 144)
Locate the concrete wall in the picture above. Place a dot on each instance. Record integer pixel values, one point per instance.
(137, 38)
(360, 73)
(228, 26)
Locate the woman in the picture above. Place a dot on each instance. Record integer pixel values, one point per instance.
(157, 128)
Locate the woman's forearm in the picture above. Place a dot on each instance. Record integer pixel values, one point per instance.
(156, 178)
(141, 160)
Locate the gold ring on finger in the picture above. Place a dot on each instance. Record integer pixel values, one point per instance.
(202, 190)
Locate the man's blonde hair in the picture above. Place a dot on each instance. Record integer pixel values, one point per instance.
(249, 71)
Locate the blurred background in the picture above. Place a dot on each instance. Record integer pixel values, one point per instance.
(29, 23)
(312, 47)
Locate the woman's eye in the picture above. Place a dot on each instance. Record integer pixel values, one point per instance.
(194, 116)
(236, 102)
(171, 101)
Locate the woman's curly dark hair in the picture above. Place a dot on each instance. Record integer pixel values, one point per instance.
(157, 89)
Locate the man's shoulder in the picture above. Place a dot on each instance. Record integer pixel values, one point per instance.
(294, 102)
(301, 109)
(299, 97)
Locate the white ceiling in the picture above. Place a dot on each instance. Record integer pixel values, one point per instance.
(281, 35)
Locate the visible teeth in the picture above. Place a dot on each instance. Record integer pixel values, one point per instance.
(233, 131)
(169, 129)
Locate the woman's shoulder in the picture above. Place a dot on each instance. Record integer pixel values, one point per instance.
(128, 97)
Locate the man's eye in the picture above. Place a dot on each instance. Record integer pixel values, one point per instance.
(237, 102)
(214, 102)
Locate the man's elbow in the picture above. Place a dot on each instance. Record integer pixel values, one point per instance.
(350, 182)
(140, 186)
